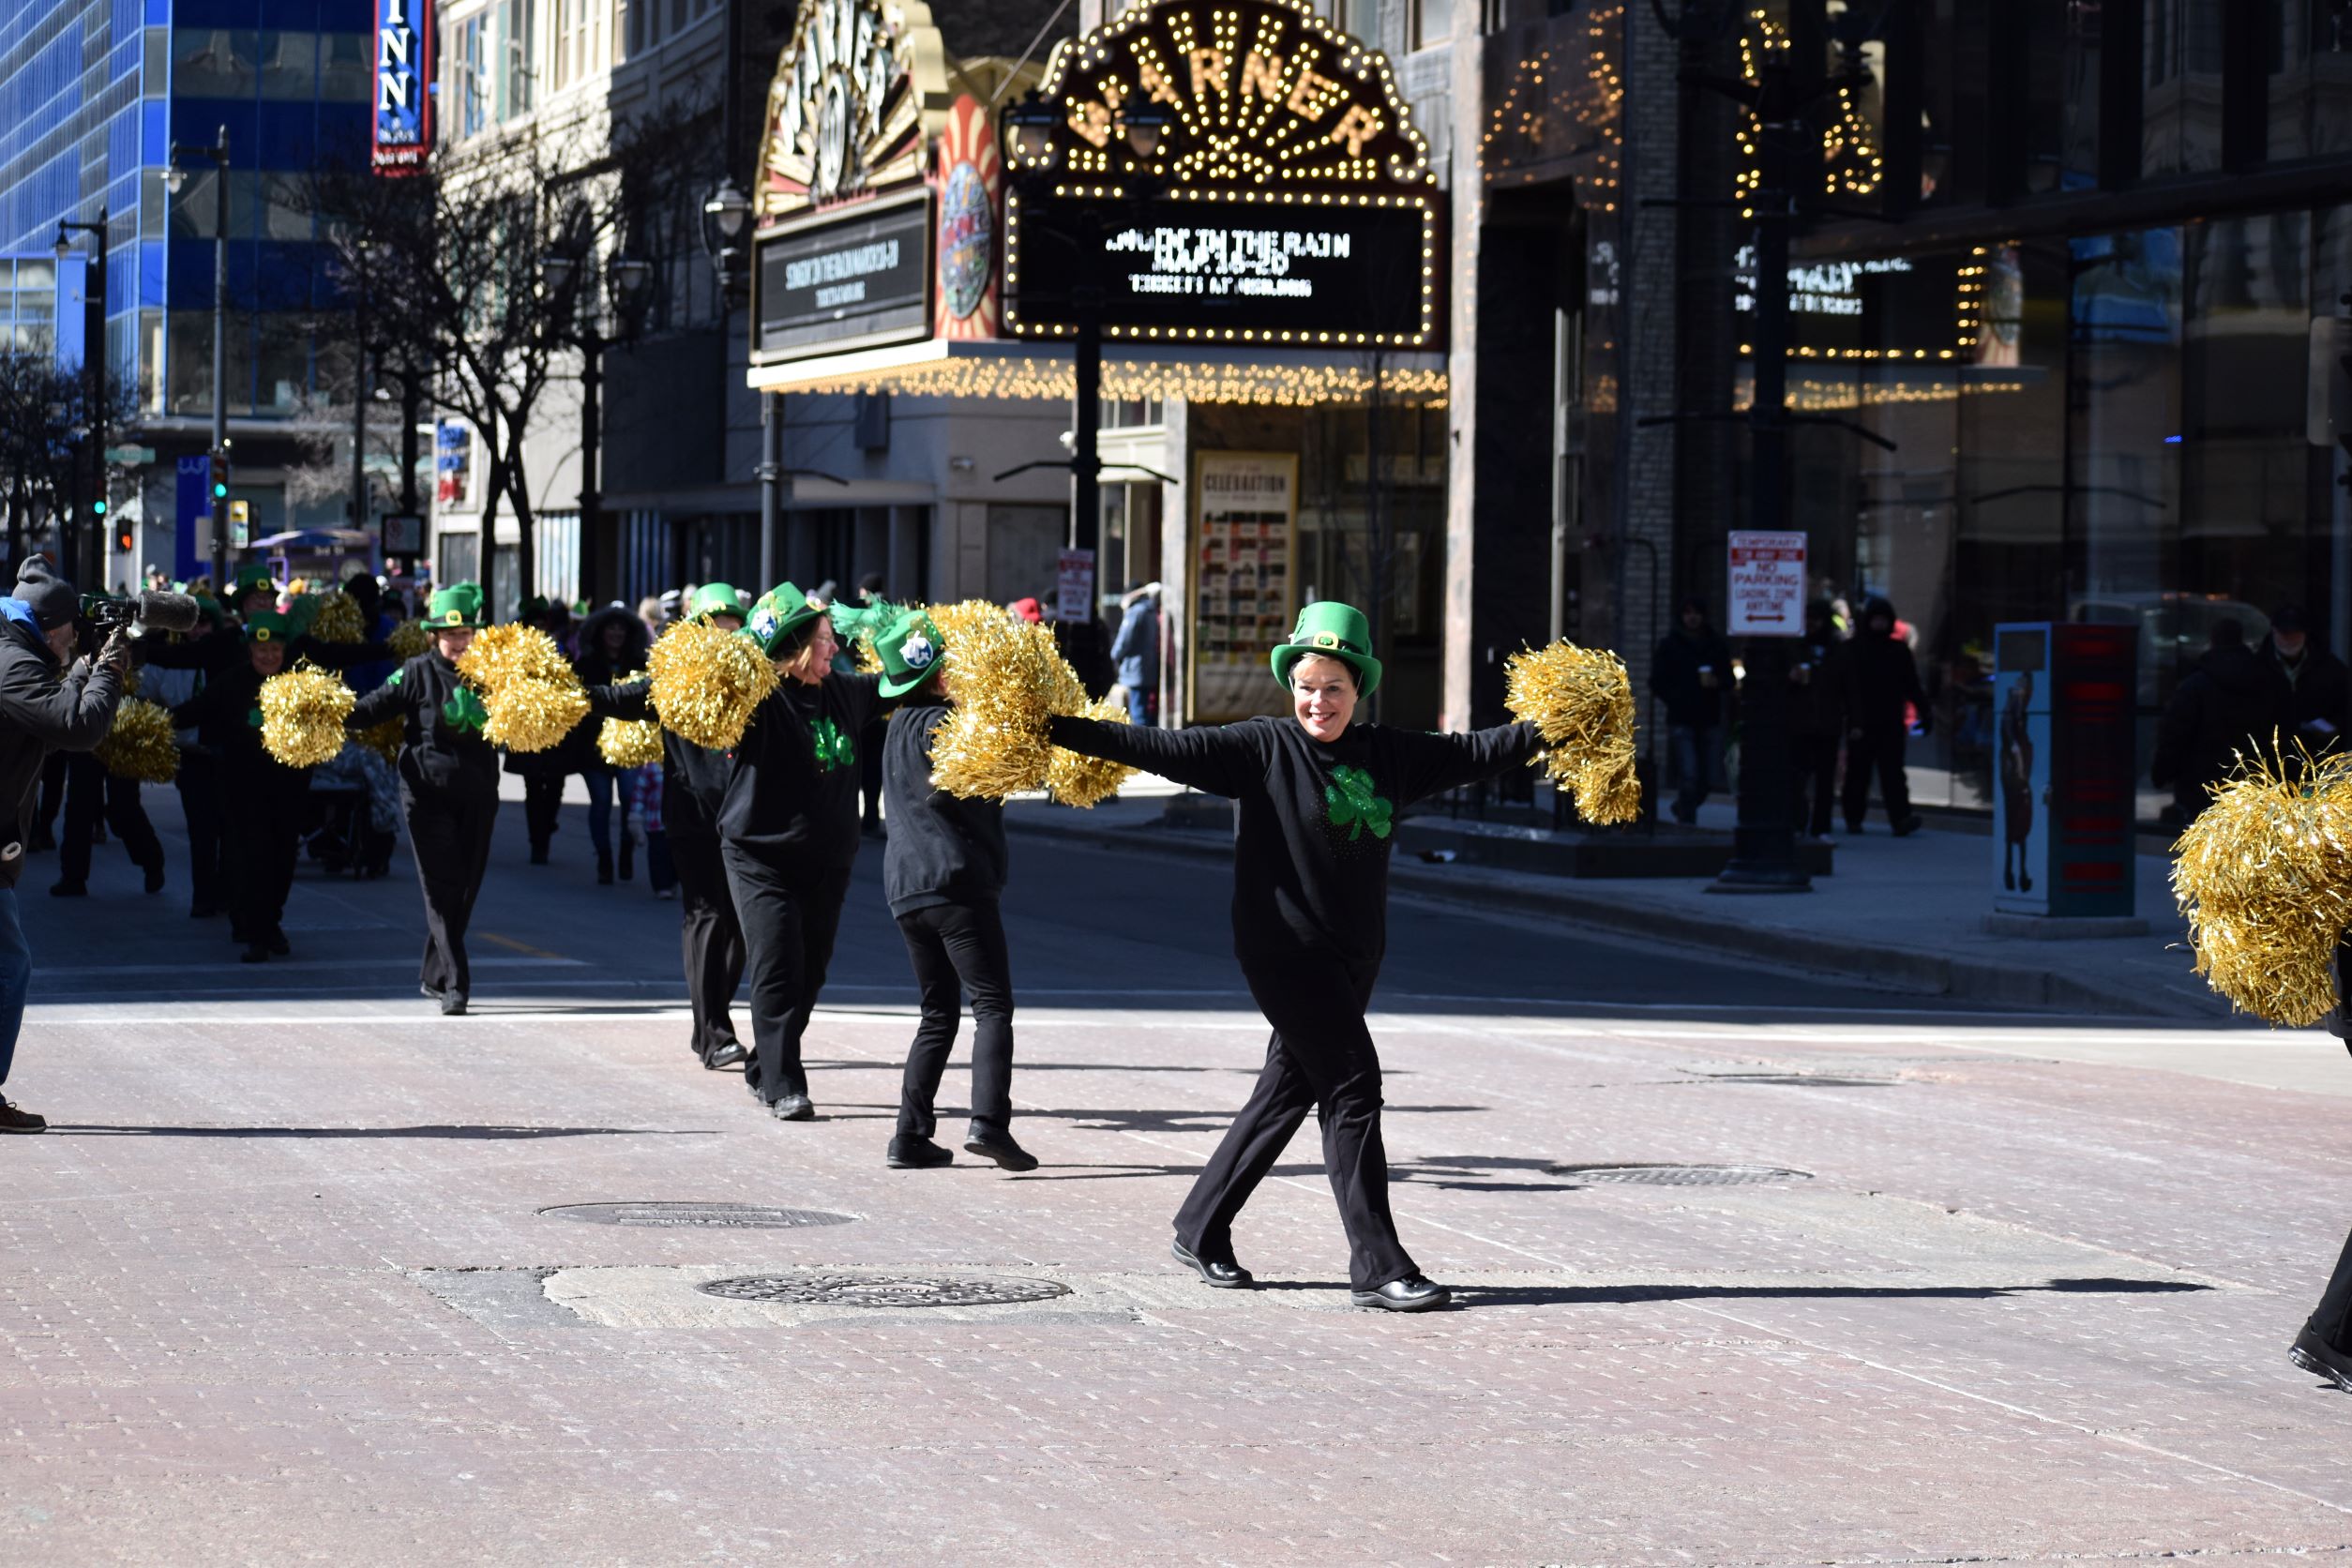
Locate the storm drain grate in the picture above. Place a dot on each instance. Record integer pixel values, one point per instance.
(1680, 1175)
(845, 1289)
(696, 1216)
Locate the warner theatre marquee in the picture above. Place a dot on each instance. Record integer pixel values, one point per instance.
(1281, 240)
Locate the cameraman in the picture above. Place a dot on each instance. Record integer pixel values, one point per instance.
(44, 707)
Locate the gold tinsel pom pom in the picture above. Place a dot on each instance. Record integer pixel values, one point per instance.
(1009, 678)
(528, 713)
(707, 682)
(1083, 781)
(500, 655)
(338, 619)
(2264, 878)
(139, 746)
(302, 716)
(1581, 703)
(385, 739)
(408, 640)
(629, 743)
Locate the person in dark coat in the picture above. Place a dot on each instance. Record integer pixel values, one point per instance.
(693, 787)
(942, 874)
(1690, 674)
(2320, 700)
(448, 784)
(543, 772)
(2233, 703)
(612, 644)
(44, 707)
(1816, 719)
(1881, 690)
(1316, 796)
(260, 797)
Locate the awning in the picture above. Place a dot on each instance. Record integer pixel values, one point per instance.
(981, 367)
(323, 539)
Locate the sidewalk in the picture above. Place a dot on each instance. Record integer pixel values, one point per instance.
(1906, 913)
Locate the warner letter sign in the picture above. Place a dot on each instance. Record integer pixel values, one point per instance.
(404, 104)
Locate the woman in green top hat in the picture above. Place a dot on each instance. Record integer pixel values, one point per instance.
(448, 783)
(1316, 795)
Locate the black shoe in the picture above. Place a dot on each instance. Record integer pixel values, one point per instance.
(13, 1120)
(793, 1107)
(909, 1152)
(604, 870)
(1222, 1273)
(154, 877)
(427, 992)
(68, 890)
(725, 1056)
(255, 953)
(1412, 1293)
(275, 940)
(453, 1004)
(1908, 825)
(1001, 1148)
(2319, 1358)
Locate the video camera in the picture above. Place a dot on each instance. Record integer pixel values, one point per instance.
(147, 612)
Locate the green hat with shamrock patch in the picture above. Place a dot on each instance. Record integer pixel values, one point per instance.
(458, 605)
(267, 625)
(718, 598)
(782, 611)
(250, 577)
(1334, 630)
(911, 650)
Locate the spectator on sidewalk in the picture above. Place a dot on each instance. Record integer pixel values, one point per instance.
(1882, 691)
(2232, 702)
(2319, 687)
(1815, 720)
(1136, 652)
(1690, 674)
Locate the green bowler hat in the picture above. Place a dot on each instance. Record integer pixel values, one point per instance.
(267, 625)
(1334, 630)
(250, 577)
(458, 605)
(911, 650)
(782, 611)
(718, 598)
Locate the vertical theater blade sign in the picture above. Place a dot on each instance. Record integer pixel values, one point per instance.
(404, 102)
(967, 180)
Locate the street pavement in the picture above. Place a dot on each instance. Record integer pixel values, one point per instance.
(285, 1284)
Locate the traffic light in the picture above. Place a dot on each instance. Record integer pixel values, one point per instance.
(122, 540)
(221, 475)
(98, 507)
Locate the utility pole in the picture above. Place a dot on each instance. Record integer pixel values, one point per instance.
(91, 568)
(173, 177)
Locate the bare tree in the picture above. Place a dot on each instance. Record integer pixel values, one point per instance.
(47, 418)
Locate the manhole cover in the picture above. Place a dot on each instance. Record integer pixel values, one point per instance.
(843, 1289)
(1807, 1080)
(696, 1216)
(1680, 1175)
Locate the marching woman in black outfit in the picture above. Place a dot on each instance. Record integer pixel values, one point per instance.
(693, 786)
(943, 872)
(448, 783)
(1317, 796)
(260, 797)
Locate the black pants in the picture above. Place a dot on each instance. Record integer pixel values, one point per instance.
(52, 795)
(449, 834)
(542, 803)
(1879, 746)
(91, 791)
(712, 937)
(959, 949)
(261, 829)
(198, 784)
(788, 914)
(870, 780)
(1321, 1056)
(1812, 759)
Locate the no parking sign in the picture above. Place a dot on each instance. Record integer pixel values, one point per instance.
(1768, 585)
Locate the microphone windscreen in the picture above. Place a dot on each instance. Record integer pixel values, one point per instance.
(159, 612)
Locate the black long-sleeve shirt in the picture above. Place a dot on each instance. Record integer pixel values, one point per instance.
(442, 746)
(792, 791)
(227, 714)
(693, 777)
(942, 848)
(1312, 836)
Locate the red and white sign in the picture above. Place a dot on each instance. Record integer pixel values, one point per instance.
(1074, 586)
(1768, 585)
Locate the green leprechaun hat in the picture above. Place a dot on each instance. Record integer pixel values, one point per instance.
(782, 611)
(458, 605)
(718, 598)
(911, 650)
(267, 625)
(1334, 630)
(250, 577)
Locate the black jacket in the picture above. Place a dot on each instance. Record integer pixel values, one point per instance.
(1674, 675)
(1817, 705)
(41, 710)
(942, 849)
(227, 714)
(442, 746)
(2234, 701)
(2319, 696)
(1880, 676)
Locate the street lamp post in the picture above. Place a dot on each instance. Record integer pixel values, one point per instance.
(175, 177)
(94, 374)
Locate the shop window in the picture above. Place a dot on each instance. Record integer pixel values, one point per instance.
(289, 65)
(215, 61)
(465, 93)
(516, 64)
(1433, 23)
(283, 363)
